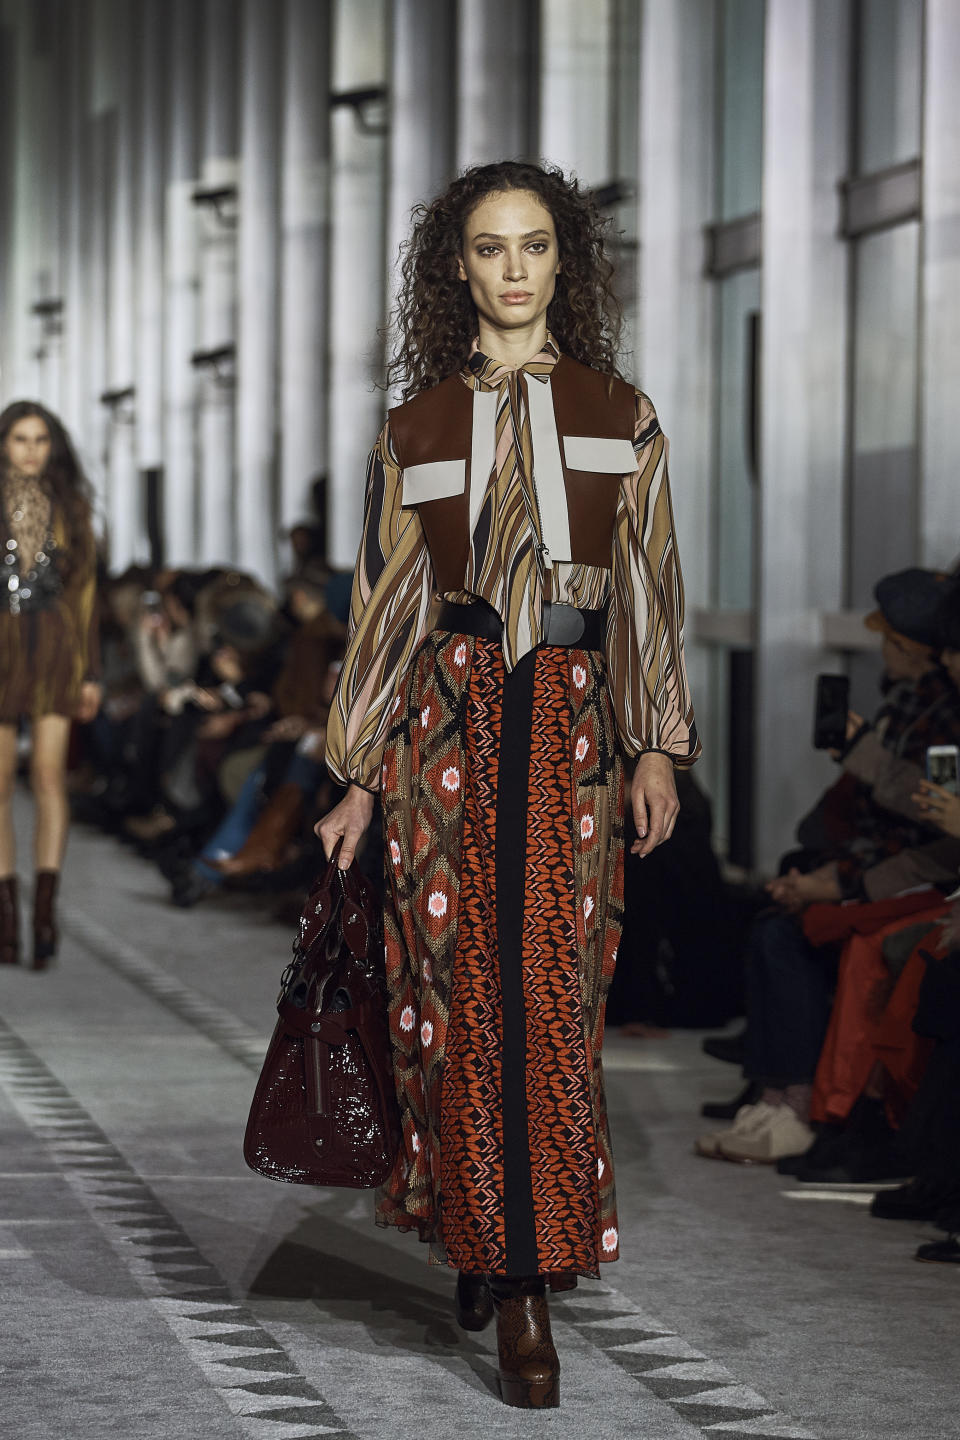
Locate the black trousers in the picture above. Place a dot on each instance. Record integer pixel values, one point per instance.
(789, 996)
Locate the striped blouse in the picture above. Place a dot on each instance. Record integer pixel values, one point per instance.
(393, 589)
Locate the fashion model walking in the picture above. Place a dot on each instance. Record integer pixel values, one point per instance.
(515, 637)
(48, 648)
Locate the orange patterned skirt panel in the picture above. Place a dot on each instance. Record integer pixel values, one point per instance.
(503, 799)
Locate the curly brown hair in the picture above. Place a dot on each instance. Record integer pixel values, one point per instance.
(68, 485)
(435, 320)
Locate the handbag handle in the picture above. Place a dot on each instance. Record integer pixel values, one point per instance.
(345, 891)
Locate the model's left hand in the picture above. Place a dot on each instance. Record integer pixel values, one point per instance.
(88, 706)
(653, 796)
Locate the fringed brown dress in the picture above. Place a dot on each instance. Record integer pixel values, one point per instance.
(48, 640)
(500, 768)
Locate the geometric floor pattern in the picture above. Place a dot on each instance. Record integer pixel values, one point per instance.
(252, 1373)
(227, 1032)
(249, 1369)
(702, 1391)
(699, 1389)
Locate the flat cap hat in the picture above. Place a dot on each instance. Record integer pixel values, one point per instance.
(909, 602)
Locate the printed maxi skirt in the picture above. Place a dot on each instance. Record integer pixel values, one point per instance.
(502, 798)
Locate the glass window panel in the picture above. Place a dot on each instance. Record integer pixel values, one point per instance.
(735, 495)
(883, 500)
(889, 60)
(741, 107)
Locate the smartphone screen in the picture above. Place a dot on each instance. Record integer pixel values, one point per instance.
(943, 767)
(830, 716)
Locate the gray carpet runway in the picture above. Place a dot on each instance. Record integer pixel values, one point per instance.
(153, 1288)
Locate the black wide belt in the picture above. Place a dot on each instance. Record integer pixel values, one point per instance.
(562, 624)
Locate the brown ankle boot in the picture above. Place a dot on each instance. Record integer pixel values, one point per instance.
(265, 847)
(529, 1372)
(45, 936)
(474, 1303)
(9, 922)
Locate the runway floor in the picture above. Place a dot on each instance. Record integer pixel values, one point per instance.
(155, 1289)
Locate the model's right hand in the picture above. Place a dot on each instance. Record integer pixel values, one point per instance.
(349, 819)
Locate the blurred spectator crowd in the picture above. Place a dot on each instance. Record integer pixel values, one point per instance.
(851, 1050)
(207, 755)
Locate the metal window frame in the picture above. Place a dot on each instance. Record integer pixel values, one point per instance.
(733, 245)
(879, 201)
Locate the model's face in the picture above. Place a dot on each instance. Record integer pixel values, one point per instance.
(27, 446)
(510, 260)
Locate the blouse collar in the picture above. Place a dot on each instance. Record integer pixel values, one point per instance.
(492, 373)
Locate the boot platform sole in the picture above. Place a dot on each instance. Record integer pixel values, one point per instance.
(529, 1394)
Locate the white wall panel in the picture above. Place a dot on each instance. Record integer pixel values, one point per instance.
(940, 288)
(305, 218)
(357, 289)
(803, 400)
(258, 261)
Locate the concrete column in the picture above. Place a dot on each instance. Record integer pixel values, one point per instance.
(148, 239)
(940, 288)
(218, 284)
(34, 260)
(305, 218)
(803, 400)
(422, 78)
(99, 143)
(356, 406)
(674, 320)
(497, 50)
(7, 140)
(20, 378)
(74, 36)
(576, 40)
(258, 278)
(46, 198)
(180, 275)
(126, 502)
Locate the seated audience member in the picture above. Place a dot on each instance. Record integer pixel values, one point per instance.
(279, 789)
(854, 846)
(103, 738)
(931, 1128)
(872, 1060)
(169, 654)
(679, 958)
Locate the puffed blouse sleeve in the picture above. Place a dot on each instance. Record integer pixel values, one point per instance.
(389, 609)
(645, 664)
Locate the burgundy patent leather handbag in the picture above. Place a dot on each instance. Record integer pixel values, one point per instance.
(325, 1109)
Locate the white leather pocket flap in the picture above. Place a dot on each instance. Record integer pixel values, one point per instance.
(599, 453)
(433, 481)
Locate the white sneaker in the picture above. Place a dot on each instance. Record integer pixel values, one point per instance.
(780, 1132)
(745, 1120)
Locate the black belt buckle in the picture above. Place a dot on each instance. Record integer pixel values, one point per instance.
(565, 624)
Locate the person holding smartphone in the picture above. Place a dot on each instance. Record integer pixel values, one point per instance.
(866, 822)
(865, 839)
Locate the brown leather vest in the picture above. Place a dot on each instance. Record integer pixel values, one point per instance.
(437, 426)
